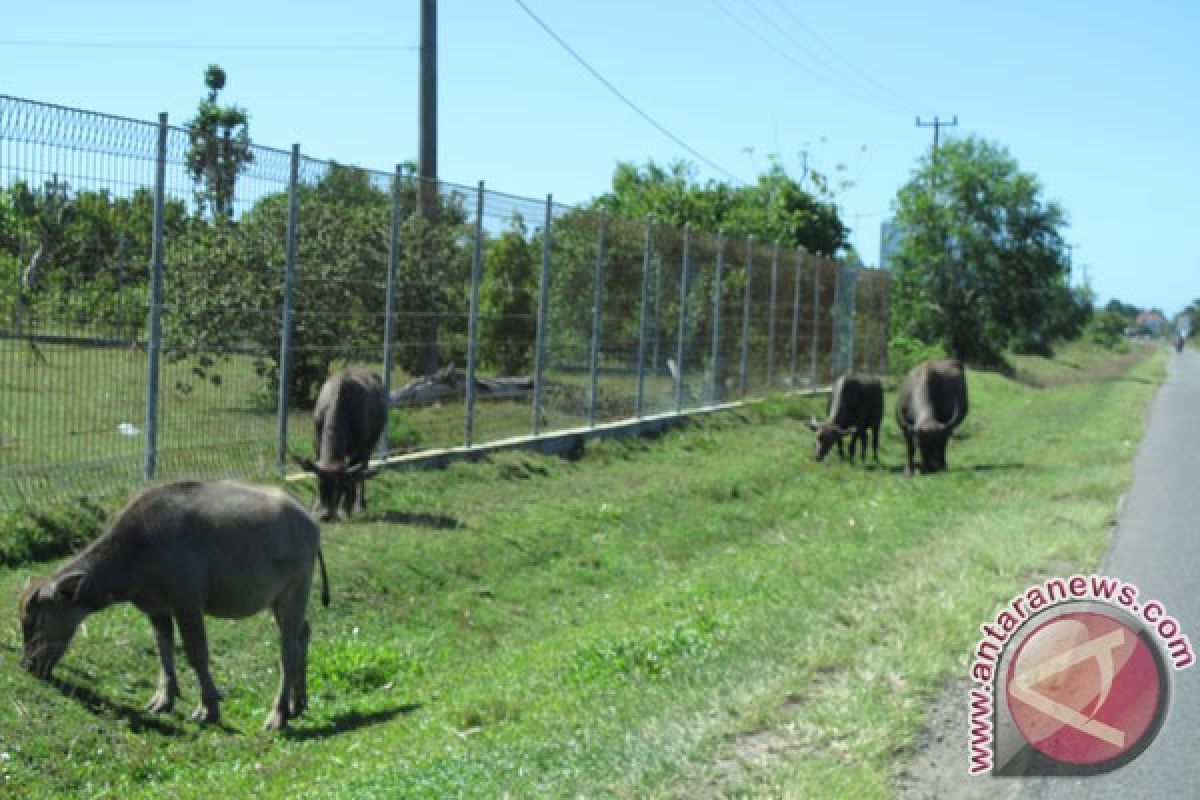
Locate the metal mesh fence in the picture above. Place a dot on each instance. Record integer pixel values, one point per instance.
(162, 317)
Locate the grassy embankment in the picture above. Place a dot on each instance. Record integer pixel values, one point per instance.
(704, 614)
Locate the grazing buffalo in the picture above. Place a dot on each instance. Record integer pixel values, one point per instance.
(179, 551)
(855, 410)
(347, 422)
(931, 404)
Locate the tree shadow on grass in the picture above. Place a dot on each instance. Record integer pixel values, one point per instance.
(350, 721)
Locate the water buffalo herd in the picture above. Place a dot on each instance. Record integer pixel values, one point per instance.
(930, 404)
(179, 551)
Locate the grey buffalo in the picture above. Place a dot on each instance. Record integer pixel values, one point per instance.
(855, 410)
(347, 422)
(178, 551)
(932, 402)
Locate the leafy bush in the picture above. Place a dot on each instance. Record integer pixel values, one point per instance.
(905, 352)
(51, 533)
(1107, 329)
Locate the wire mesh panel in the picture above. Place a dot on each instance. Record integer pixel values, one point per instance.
(871, 321)
(757, 332)
(221, 314)
(432, 308)
(619, 323)
(663, 315)
(514, 232)
(697, 351)
(573, 253)
(824, 277)
(75, 212)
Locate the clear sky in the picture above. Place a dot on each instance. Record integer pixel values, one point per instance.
(1098, 98)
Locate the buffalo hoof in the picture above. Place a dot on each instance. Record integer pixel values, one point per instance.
(206, 715)
(162, 702)
(277, 721)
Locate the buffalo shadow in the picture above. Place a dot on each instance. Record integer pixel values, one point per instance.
(349, 721)
(418, 519)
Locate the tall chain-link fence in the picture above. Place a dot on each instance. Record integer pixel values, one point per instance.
(170, 305)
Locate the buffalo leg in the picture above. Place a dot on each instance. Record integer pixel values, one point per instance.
(168, 685)
(195, 644)
(909, 447)
(294, 633)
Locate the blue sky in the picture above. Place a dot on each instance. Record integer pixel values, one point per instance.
(1098, 99)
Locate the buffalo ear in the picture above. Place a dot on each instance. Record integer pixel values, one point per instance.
(64, 588)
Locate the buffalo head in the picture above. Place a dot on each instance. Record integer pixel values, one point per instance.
(49, 618)
(829, 435)
(339, 487)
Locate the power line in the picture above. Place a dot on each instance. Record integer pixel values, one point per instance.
(832, 79)
(266, 48)
(633, 106)
(850, 64)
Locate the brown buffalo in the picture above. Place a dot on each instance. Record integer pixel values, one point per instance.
(931, 403)
(855, 410)
(347, 422)
(179, 551)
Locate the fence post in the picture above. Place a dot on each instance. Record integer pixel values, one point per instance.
(746, 317)
(597, 303)
(816, 331)
(539, 356)
(715, 396)
(473, 320)
(795, 340)
(154, 345)
(389, 305)
(771, 317)
(641, 354)
(289, 283)
(683, 300)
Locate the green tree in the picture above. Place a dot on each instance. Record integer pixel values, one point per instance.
(774, 209)
(219, 149)
(982, 265)
(229, 299)
(509, 301)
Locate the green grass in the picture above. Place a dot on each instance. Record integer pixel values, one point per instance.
(704, 614)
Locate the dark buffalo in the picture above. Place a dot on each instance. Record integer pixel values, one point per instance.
(347, 422)
(932, 402)
(855, 410)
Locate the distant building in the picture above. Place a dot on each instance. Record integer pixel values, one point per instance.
(1152, 323)
(891, 235)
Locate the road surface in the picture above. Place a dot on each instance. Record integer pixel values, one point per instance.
(1157, 547)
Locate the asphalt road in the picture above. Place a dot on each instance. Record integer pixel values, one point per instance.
(1157, 547)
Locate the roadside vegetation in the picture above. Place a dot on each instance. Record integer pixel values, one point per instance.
(704, 614)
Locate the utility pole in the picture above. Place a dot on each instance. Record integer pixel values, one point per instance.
(937, 126)
(427, 183)
(427, 101)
